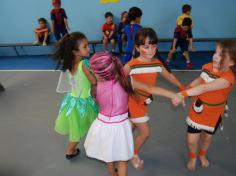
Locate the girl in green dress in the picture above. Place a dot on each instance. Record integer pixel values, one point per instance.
(78, 109)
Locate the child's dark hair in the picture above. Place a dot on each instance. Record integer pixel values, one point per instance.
(228, 48)
(134, 12)
(122, 14)
(109, 67)
(43, 20)
(64, 50)
(187, 22)
(140, 38)
(108, 14)
(186, 8)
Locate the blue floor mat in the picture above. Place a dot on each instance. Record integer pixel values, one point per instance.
(46, 62)
(27, 63)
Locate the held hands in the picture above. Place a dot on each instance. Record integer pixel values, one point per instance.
(178, 99)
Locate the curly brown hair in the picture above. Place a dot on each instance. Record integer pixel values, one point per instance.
(64, 50)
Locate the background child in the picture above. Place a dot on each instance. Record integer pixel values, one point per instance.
(210, 91)
(186, 11)
(59, 23)
(42, 32)
(78, 109)
(183, 38)
(131, 29)
(121, 35)
(145, 69)
(110, 136)
(109, 32)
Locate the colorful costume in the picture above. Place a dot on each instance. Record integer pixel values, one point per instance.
(207, 108)
(130, 32)
(145, 72)
(110, 136)
(78, 109)
(58, 16)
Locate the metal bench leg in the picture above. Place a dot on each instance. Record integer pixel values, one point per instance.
(17, 53)
(94, 46)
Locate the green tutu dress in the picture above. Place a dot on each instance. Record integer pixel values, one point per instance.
(78, 109)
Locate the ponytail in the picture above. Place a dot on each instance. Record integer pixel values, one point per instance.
(120, 75)
(64, 50)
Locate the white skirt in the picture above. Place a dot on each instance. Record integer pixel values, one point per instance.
(110, 139)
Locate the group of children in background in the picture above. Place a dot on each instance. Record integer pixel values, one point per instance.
(109, 100)
(59, 25)
(123, 34)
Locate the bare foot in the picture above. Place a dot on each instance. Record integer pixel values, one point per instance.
(204, 161)
(191, 165)
(137, 162)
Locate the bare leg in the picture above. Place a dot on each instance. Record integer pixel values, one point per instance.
(71, 149)
(37, 38)
(104, 42)
(186, 56)
(45, 39)
(111, 168)
(192, 143)
(205, 143)
(113, 45)
(142, 136)
(122, 168)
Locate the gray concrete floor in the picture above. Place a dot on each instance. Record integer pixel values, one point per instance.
(30, 147)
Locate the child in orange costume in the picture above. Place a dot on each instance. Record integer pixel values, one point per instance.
(210, 91)
(144, 69)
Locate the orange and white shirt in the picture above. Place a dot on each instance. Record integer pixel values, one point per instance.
(213, 102)
(144, 72)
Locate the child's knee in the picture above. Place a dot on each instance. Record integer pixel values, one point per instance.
(185, 53)
(206, 138)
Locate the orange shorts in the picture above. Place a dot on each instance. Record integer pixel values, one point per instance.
(138, 109)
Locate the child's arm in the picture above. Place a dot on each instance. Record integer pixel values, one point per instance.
(92, 80)
(155, 90)
(52, 26)
(113, 31)
(66, 23)
(171, 78)
(89, 75)
(218, 84)
(191, 48)
(176, 99)
(195, 82)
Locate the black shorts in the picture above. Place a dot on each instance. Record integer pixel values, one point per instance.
(194, 130)
(183, 44)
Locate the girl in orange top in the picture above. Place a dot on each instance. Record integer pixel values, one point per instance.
(210, 91)
(144, 69)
